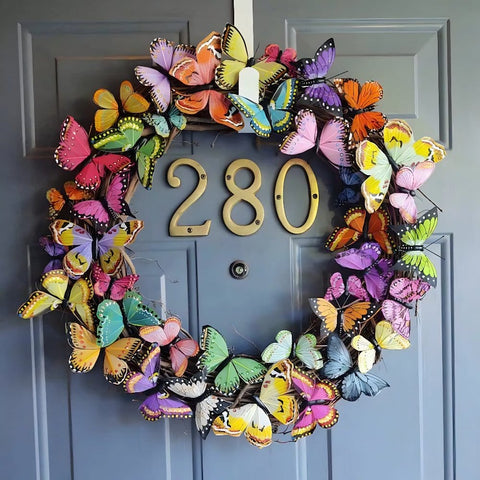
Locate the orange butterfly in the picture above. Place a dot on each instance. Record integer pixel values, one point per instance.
(57, 200)
(350, 316)
(202, 72)
(361, 100)
(375, 227)
(132, 102)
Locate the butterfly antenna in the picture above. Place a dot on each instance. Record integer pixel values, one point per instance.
(431, 251)
(337, 75)
(212, 145)
(430, 200)
(253, 344)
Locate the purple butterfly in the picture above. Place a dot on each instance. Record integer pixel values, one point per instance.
(55, 251)
(136, 382)
(113, 202)
(313, 71)
(161, 404)
(377, 271)
(164, 54)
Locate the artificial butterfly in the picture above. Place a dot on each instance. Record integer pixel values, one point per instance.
(385, 337)
(252, 418)
(286, 57)
(86, 351)
(353, 288)
(107, 115)
(408, 290)
(345, 316)
(162, 404)
(313, 73)
(147, 378)
(331, 142)
(350, 194)
(305, 349)
(198, 71)
(215, 354)
(164, 54)
(192, 387)
(316, 407)
(409, 179)
(120, 139)
(377, 271)
(361, 101)
(412, 238)
(181, 349)
(55, 251)
(278, 109)
(340, 364)
(74, 148)
(206, 410)
(56, 282)
(58, 204)
(400, 150)
(147, 153)
(107, 248)
(111, 204)
(164, 124)
(233, 45)
(360, 224)
(115, 288)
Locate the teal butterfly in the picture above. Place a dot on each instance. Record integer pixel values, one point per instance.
(278, 109)
(305, 350)
(111, 318)
(413, 237)
(120, 139)
(163, 123)
(234, 369)
(147, 153)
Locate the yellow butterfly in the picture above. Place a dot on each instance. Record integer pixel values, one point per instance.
(86, 351)
(233, 45)
(385, 337)
(252, 418)
(400, 150)
(132, 102)
(55, 282)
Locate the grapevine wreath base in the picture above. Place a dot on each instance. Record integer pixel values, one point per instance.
(383, 266)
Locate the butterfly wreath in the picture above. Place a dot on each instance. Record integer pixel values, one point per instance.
(382, 264)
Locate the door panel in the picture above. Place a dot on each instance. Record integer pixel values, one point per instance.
(58, 425)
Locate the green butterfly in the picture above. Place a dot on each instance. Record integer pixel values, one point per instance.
(147, 153)
(164, 123)
(120, 139)
(216, 354)
(111, 318)
(412, 238)
(305, 350)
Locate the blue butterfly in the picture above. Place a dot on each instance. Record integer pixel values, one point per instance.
(354, 383)
(164, 123)
(280, 118)
(350, 195)
(111, 318)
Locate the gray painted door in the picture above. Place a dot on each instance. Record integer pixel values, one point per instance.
(60, 426)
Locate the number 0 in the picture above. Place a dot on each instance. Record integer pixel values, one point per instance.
(313, 196)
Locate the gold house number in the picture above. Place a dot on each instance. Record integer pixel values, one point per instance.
(241, 195)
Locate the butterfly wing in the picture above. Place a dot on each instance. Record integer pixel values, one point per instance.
(78, 301)
(332, 142)
(356, 383)
(214, 347)
(160, 91)
(408, 290)
(274, 393)
(355, 288)
(164, 405)
(339, 359)
(180, 352)
(85, 349)
(258, 118)
(280, 104)
(192, 387)
(74, 146)
(388, 338)
(161, 335)
(359, 258)
(139, 314)
(110, 324)
(206, 410)
(247, 369)
(346, 236)
(336, 288)
(326, 311)
(280, 349)
(94, 211)
(306, 351)
(132, 102)
(146, 379)
(356, 314)
(115, 367)
(367, 354)
(398, 315)
(147, 155)
(108, 113)
(90, 176)
(305, 137)
(121, 285)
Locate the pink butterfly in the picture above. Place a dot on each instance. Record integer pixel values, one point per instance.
(102, 283)
(99, 210)
(409, 179)
(180, 349)
(286, 57)
(164, 54)
(331, 141)
(337, 288)
(74, 148)
(398, 314)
